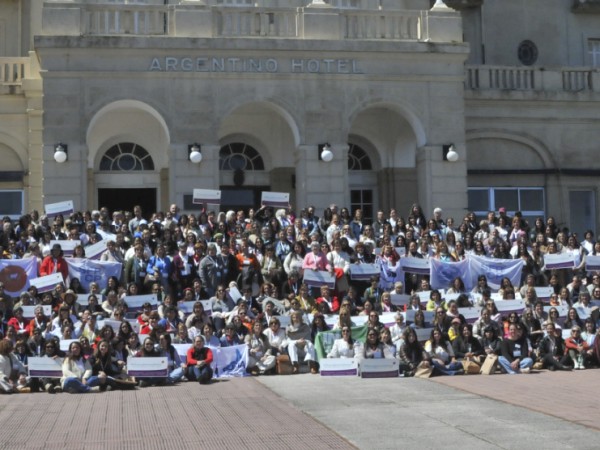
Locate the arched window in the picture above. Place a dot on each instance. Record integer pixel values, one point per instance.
(126, 157)
(358, 158)
(239, 156)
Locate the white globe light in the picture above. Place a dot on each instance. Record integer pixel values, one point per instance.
(60, 156)
(326, 154)
(195, 156)
(452, 155)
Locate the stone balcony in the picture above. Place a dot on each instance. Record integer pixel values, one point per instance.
(531, 79)
(306, 19)
(586, 6)
(12, 73)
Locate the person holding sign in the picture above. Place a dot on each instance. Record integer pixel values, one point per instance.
(55, 263)
(77, 372)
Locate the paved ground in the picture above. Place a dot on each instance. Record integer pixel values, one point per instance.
(572, 396)
(415, 413)
(302, 411)
(236, 414)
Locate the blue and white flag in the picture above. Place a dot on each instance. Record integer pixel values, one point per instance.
(16, 273)
(442, 273)
(88, 270)
(494, 270)
(231, 361)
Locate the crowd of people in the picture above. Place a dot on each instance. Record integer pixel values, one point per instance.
(262, 256)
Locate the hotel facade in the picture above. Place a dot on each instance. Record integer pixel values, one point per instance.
(462, 104)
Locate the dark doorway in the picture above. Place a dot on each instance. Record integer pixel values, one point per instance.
(246, 197)
(125, 199)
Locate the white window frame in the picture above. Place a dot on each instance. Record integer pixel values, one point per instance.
(493, 207)
(20, 191)
(594, 52)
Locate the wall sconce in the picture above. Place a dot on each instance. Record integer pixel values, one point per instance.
(325, 153)
(194, 153)
(450, 153)
(60, 152)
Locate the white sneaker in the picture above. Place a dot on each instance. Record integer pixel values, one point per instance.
(526, 370)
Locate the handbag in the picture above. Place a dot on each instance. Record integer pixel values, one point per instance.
(283, 365)
(489, 365)
(470, 367)
(423, 372)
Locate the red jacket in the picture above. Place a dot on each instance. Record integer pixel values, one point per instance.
(333, 301)
(194, 356)
(47, 267)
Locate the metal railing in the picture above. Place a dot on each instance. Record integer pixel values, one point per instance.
(256, 22)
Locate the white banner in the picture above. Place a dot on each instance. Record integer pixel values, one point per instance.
(318, 278)
(400, 299)
(560, 261)
(544, 293)
(363, 271)
(592, 263)
(56, 209)
(275, 199)
(442, 273)
(231, 361)
(508, 306)
(95, 251)
(47, 282)
(88, 270)
(135, 302)
(420, 266)
(494, 270)
(66, 246)
(16, 273)
(206, 196)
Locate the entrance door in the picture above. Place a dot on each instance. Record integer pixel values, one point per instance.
(125, 199)
(241, 198)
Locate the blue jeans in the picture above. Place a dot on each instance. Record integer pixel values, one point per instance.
(201, 374)
(75, 386)
(453, 368)
(525, 363)
(176, 375)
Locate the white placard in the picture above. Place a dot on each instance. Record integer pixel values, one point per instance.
(364, 271)
(188, 307)
(423, 334)
(562, 310)
(401, 251)
(410, 316)
(147, 367)
(29, 311)
(68, 247)
(450, 297)
(47, 282)
(592, 263)
(400, 299)
(544, 293)
(234, 293)
(64, 344)
(135, 302)
(44, 367)
(470, 314)
(56, 209)
(275, 199)
(378, 368)
(388, 319)
(318, 278)
(559, 261)
(505, 306)
(114, 324)
(419, 266)
(338, 367)
(95, 251)
(206, 196)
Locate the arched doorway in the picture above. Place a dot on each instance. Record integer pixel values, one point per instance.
(121, 161)
(242, 176)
